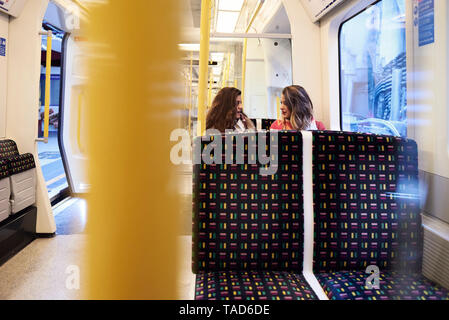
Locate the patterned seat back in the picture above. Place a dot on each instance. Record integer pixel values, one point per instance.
(16, 163)
(266, 123)
(366, 203)
(243, 220)
(8, 148)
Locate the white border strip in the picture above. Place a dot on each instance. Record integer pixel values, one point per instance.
(308, 215)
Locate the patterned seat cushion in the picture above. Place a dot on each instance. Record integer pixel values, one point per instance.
(8, 148)
(252, 285)
(243, 220)
(347, 285)
(366, 203)
(20, 163)
(4, 170)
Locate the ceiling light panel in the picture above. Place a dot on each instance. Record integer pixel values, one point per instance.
(230, 5)
(226, 21)
(189, 46)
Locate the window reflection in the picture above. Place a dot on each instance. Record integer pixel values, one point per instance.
(373, 70)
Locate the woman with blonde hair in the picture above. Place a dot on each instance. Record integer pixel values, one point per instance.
(297, 111)
(227, 113)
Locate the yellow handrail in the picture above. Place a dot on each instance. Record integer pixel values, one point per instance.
(204, 62)
(245, 50)
(186, 92)
(228, 67)
(81, 5)
(47, 86)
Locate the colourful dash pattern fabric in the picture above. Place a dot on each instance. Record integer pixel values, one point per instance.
(4, 171)
(243, 220)
(16, 163)
(21, 163)
(252, 285)
(392, 286)
(366, 203)
(265, 123)
(8, 148)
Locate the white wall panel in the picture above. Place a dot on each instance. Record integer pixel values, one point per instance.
(4, 21)
(23, 96)
(306, 55)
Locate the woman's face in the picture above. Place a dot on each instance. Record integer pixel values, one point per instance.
(239, 107)
(285, 111)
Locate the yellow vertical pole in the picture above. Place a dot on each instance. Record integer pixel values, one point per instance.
(245, 51)
(223, 78)
(190, 93)
(228, 67)
(132, 204)
(80, 5)
(47, 85)
(224, 72)
(204, 62)
(186, 92)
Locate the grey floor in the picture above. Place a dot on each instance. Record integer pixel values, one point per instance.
(43, 269)
(51, 164)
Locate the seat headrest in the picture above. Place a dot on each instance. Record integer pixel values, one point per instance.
(8, 148)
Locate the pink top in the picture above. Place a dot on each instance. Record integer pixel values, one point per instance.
(281, 125)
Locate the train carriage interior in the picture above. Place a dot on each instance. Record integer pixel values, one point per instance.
(114, 186)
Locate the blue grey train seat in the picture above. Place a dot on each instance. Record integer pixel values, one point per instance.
(366, 213)
(339, 203)
(248, 228)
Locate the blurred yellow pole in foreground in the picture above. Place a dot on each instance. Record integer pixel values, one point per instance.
(204, 62)
(132, 206)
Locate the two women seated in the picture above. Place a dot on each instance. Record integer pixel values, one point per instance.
(227, 113)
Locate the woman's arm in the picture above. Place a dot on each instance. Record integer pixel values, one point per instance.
(247, 121)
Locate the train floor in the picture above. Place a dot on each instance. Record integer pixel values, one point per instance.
(41, 270)
(51, 164)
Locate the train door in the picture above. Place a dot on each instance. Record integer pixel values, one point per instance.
(73, 134)
(63, 155)
(49, 149)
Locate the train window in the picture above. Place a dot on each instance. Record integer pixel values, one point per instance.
(373, 70)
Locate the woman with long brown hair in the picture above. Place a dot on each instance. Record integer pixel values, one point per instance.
(227, 113)
(297, 111)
